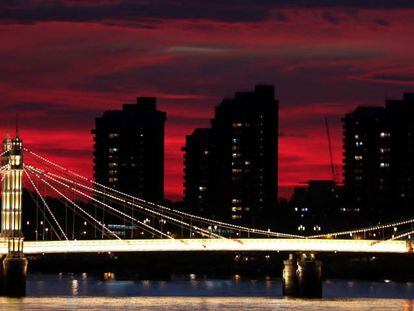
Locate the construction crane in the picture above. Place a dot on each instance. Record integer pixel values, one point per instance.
(328, 134)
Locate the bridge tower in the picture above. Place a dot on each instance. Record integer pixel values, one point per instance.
(15, 264)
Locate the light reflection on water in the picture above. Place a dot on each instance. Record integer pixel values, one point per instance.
(201, 303)
(89, 292)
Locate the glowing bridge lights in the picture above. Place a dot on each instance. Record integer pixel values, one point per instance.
(211, 244)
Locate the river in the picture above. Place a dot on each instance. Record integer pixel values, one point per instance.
(106, 292)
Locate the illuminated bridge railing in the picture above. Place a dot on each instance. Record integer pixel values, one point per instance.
(184, 245)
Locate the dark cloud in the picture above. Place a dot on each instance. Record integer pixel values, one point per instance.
(394, 77)
(382, 22)
(41, 115)
(132, 11)
(147, 14)
(331, 18)
(281, 17)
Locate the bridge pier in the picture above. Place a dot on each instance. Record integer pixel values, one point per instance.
(289, 280)
(302, 277)
(14, 276)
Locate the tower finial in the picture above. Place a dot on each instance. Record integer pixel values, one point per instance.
(17, 125)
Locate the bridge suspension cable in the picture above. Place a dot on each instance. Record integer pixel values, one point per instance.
(402, 235)
(78, 207)
(364, 230)
(45, 219)
(103, 204)
(45, 204)
(4, 168)
(123, 200)
(157, 206)
(202, 231)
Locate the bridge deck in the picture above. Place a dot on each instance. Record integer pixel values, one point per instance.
(182, 245)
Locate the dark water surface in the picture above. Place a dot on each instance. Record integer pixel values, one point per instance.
(105, 292)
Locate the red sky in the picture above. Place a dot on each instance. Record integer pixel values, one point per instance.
(63, 63)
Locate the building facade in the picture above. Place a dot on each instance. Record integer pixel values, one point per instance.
(197, 173)
(316, 206)
(129, 149)
(379, 156)
(240, 184)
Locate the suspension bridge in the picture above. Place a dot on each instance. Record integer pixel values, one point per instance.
(84, 216)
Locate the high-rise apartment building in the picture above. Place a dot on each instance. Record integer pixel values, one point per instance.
(242, 148)
(379, 155)
(129, 149)
(198, 172)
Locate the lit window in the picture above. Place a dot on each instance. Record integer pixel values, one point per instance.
(236, 209)
(235, 201)
(113, 135)
(236, 170)
(358, 157)
(356, 136)
(201, 188)
(384, 164)
(384, 150)
(112, 179)
(384, 134)
(113, 164)
(113, 150)
(236, 216)
(247, 162)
